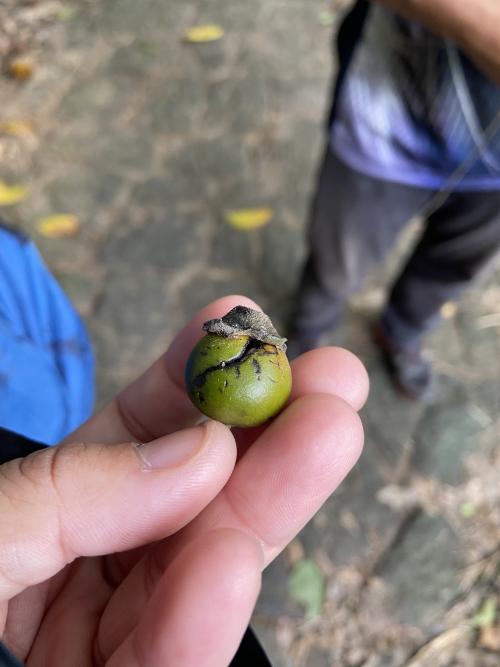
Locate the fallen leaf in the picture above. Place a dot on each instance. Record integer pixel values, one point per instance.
(449, 310)
(16, 128)
(204, 33)
(11, 194)
(21, 68)
(294, 552)
(59, 226)
(326, 17)
(467, 509)
(307, 586)
(486, 614)
(248, 218)
(489, 638)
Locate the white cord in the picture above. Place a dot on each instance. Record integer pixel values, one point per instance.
(449, 186)
(468, 109)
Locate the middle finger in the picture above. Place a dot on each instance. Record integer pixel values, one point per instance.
(275, 489)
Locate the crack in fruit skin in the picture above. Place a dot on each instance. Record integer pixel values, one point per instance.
(250, 345)
(238, 380)
(244, 321)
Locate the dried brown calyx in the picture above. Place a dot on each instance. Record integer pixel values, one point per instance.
(243, 321)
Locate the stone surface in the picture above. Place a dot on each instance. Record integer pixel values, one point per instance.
(349, 529)
(318, 658)
(125, 346)
(448, 433)
(274, 600)
(265, 629)
(83, 192)
(422, 571)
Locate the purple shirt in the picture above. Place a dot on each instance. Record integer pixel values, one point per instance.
(412, 109)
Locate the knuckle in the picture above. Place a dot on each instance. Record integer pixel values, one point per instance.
(49, 471)
(50, 477)
(46, 478)
(134, 426)
(32, 504)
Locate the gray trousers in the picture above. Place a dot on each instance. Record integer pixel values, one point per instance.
(356, 219)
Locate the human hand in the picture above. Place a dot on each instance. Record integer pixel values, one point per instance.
(114, 554)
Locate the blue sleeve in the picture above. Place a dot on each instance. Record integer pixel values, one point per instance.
(46, 359)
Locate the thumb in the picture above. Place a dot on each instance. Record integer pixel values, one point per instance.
(90, 499)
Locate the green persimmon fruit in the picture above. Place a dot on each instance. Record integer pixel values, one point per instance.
(239, 373)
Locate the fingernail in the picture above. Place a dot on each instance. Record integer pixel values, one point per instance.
(172, 450)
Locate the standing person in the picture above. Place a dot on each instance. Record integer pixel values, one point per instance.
(412, 114)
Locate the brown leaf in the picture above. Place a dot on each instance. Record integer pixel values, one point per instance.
(294, 552)
(21, 68)
(489, 638)
(17, 128)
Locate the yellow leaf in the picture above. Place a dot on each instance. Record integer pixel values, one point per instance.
(204, 33)
(16, 128)
(21, 68)
(248, 218)
(11, 194)
(58, 226)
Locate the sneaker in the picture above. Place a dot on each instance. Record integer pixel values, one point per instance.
(410, 369)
